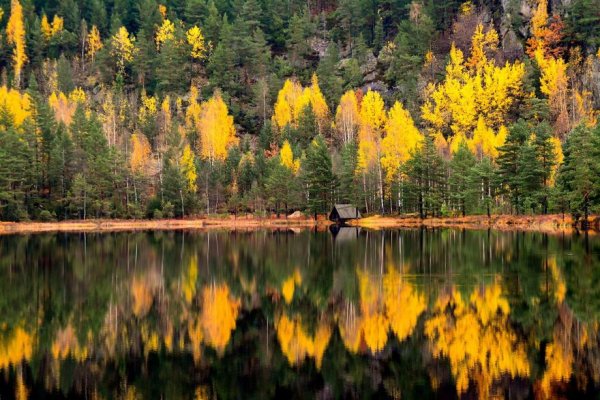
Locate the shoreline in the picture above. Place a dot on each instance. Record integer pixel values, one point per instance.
(124, 225)
(551, 223)
(554, 223)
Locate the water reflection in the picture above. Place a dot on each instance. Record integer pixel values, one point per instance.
(260, 314)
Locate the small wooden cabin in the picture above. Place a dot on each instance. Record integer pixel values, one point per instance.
(342, 213)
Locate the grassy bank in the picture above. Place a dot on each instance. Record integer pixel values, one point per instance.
(539, 223)
(555, 223)
(104, 225)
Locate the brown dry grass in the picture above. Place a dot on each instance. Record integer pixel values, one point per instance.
(554, 223)
(103, 225)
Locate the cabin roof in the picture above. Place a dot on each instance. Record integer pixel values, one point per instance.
(346, 211)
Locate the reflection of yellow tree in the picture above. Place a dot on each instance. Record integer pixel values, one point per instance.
(397, 308)
(297, 344)
(289, 285)
(189, 279)
(66, 344)
(477, 338)
(559, 355)
(15, 347)
(403, 305)
(219, 314)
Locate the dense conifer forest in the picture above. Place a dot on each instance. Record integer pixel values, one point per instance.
(156, 109)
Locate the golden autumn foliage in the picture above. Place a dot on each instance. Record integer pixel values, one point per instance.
(94, 42)
(484, 141)
(219, 314)
(51, 29)
(188, 167)
(401, 138)
(286, 158)
(64, 107)
(195, 39)
(17, 104)
(140, 153)
(546, 35)
(297, 344)
(347, 117)
(371, 127)
(473, 90)
(15, 31)
(192, 112)
(216, 129)
(289, 104)
(292, 99)
(317, 102)
(165, 32)
(147, 110)
(482, 42)
(122, 48)
(477, 338)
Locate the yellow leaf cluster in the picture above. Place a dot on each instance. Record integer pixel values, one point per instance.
(484, 141)
(162, 9)
(51, 29)
(217, 132)
(140, 153)
(347, 117)
(292, 100)
(148, 108)
(94, 42)
(192, 113)
(123, 48)
(401, 137)
(481, 42)
(64, 107)
(286, 158)
(17, 104)
(297, 344)
(188, 167)
(165, 32)
(471, 91)
(477, 338)
(554, 78)
(371, 127)
(15, 31)
(195, 38)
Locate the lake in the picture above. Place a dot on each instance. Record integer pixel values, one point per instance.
(300, 314)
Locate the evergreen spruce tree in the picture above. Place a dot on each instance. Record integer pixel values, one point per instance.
(579, 175)
(318, 176)
(461, 185)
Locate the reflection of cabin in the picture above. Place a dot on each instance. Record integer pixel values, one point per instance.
(342, 213)
(344, 234)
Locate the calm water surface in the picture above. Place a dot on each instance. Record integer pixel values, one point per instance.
(282, 314)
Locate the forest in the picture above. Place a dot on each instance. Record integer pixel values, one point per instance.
(181, 108)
